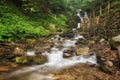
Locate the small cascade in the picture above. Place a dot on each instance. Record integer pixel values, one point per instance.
(85, 15)
(77, 36)
(78, 26)
(79, 15)
(69, 43)
(30, 53)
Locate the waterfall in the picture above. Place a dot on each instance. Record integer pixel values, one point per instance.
(79, 15)
(81, 18)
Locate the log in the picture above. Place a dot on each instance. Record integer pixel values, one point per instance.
(4, 68)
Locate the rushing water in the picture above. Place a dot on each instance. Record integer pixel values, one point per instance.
(55, 59)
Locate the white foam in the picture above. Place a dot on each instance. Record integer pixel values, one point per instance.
(69, 43)
(30, 53)
(77, 36)
(78, 26)
(57, 60)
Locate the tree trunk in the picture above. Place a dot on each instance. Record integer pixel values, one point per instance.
(100, 10)
(109, 6)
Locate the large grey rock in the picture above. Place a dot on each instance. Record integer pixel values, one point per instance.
(116, 38)
(115, 42)
(82, 51)
(108, 63)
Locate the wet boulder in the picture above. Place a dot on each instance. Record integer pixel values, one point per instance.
(40, 59)
(106, 69)
(81, 41)
(31, 59)
(69, 53)
(60, 47)
(109, 63)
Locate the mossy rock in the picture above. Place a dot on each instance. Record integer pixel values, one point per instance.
(30, 41)
(106, 69)
(31, 59)
(114, 42)
(21, 60)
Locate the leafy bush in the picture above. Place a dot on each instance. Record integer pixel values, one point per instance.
(16, 27)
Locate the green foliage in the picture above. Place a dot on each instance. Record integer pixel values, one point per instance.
(16, 27)
(21, 60)
(59, 21)
(21, 19)
(33, 20)
(116, 4)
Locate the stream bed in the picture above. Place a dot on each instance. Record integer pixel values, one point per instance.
(57, 59)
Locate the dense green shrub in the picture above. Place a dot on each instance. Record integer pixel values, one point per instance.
(15, 26)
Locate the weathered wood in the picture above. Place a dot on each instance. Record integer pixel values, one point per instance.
(4, 68)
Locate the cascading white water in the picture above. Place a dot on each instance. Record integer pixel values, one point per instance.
(55, 58)
(79, 15)
(77, 36)
(30, 53)
(69, 43)
(78, 26)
